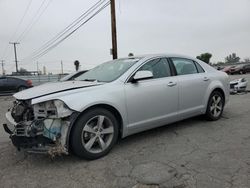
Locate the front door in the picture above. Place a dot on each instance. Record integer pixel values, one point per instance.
(152, 102)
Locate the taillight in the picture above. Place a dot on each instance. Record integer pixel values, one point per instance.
(29, 82)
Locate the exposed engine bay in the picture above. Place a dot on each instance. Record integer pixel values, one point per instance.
(40, 128)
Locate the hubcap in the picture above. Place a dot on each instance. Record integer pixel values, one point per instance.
(97, 134)
(216, 106)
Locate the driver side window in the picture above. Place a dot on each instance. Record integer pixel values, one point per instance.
(159, 68)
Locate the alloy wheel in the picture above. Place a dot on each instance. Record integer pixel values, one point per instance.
(216, 106)
(97, 134)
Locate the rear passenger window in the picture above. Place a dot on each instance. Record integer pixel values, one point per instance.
(184, 66)
(199, 68)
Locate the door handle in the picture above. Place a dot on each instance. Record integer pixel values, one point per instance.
(171, 84)
(205, 78)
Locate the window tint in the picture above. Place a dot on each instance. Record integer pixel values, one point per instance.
(199, 67)
(159, 68)
(184, 66)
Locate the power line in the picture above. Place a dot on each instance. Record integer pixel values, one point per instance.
(18, 25)
(35, 19)
(21, 21)
(67, 29)
(68, 35)
(56, 44)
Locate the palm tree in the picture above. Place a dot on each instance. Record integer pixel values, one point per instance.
(77, 64)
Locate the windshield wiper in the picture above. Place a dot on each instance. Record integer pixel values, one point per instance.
(90, 80)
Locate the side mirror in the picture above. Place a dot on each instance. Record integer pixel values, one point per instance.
(142, 75)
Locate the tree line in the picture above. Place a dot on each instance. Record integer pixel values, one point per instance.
(230, 59)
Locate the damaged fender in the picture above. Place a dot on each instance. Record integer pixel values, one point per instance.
(42, 127)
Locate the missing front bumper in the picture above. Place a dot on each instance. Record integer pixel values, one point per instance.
(24, 138)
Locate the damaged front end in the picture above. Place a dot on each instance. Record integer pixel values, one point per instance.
(40, 128)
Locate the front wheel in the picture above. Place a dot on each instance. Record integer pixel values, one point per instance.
(94, 134)
(215, 106)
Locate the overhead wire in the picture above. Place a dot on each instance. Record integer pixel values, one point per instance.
(34, 20)
(17, 28)
(49, 48)
(67, 29)
(55, 45)
(21, 21)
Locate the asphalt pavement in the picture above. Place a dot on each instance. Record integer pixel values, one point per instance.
(191, 153)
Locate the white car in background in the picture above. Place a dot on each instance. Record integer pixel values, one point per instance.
(238, 85)
(114, 100)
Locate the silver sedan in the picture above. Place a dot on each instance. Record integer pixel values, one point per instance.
(115, 99)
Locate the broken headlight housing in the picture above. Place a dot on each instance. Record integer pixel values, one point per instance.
(51, 109)
(49, 116)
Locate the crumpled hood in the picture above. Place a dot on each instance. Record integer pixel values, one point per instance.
(50, 88)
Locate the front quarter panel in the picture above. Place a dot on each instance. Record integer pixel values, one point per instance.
(79, 100)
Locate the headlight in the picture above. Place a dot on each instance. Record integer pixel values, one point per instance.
(51, 109)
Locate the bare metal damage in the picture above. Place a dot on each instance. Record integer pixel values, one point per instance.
(40, 128)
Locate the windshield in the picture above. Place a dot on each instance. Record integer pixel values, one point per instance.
(109, 71)
(72, 76)
(65, 78)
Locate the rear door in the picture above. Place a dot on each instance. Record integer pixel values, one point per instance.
(193, 84)
(152, 102)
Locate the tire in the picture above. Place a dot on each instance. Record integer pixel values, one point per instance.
(215, 106)
(21, 88)
(94, 134)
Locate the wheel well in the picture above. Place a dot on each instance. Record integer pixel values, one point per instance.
(112, 110)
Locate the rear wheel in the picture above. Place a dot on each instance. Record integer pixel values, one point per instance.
(215, 106)
(94, 134)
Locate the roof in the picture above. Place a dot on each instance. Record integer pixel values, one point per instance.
(157, 55)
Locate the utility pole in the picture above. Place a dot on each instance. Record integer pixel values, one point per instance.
(3, 72)
(15, 43)
(62, 66)
(37, 68)
(113, 27)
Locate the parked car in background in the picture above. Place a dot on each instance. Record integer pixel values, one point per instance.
(227, 69)
(73, 75)
(240, 69)
(238, 85)
(219, 68)
(11, 84)
(114, 100)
